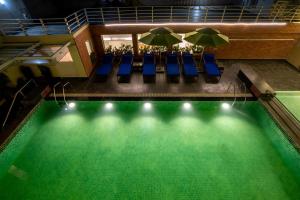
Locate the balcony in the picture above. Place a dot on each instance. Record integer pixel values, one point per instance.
(150, 14)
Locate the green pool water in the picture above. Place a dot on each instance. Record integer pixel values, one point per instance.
(165, 153)
(291, 100)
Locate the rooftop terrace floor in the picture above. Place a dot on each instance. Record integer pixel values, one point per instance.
(278, 73)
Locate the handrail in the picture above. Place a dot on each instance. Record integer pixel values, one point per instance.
(245, 91)
(54, 91)
(152, 14)
(234, 91)
(63, 88)
(15, 97)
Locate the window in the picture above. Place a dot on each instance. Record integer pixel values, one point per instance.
(89, 47)
(117, 41)
(67, 58)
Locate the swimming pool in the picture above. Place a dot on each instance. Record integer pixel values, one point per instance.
(159, 150)
(291, 100)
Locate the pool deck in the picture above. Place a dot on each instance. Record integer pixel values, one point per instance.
(278, 73)
(161, 88)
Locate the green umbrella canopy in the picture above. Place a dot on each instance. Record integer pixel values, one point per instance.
(206, 37)
(160, 37)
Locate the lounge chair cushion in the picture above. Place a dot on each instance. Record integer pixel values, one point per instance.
(104, 69)
(149, 69)
(148, 59)
(209, 58)
(127, 59)
(108, 58)
(190, 70)
(173, 70)
(189, 67)
(187, 59)
(212, 69)
(124, 69)
(172, 59)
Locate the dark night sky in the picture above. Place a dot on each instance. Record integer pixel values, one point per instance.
(62, 8)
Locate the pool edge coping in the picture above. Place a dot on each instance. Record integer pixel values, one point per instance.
(19, 126)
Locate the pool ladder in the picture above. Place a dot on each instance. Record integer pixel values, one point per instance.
(236, 86)
(63, 91)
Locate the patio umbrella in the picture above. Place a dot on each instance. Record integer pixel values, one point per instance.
(160, 37)
(206, 37)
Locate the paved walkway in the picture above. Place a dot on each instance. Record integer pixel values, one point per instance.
(279, 74)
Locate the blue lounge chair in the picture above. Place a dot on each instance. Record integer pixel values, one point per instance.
(149, 68)
(173, 71)
(211, 68)
(106, 67)
(189, 67)
(125, 68)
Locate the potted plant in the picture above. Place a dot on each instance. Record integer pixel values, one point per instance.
(127, 49)
(176, 49)
(109, 49)
(186, 49)
(197, 51)
(144, 49)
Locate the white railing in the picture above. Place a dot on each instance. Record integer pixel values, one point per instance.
(192, 14)
(48, 26)
(63, 90)
(235, 86)
(150, 14)
(54, 91)
(14, 99)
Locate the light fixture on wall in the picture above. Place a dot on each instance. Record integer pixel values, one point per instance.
(37, 61)
(2, 2)
(201, 24)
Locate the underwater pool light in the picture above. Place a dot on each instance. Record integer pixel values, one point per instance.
(147, 106)
(187, 106)
(2, 2)
(71, 105)
(108, 106)
(226, 106)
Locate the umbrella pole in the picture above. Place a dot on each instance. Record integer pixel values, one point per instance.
(202, 52)
(160, 58)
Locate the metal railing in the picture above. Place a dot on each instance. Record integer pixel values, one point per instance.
(192, 14)
(63, 90)
(151, 14)
(15, 97)
(54, 91)
(235, 86)
(47, 26)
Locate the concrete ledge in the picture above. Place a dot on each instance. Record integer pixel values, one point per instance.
(257, 85)
(154, 95)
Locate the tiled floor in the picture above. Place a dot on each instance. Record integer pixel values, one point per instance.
(279, 74)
